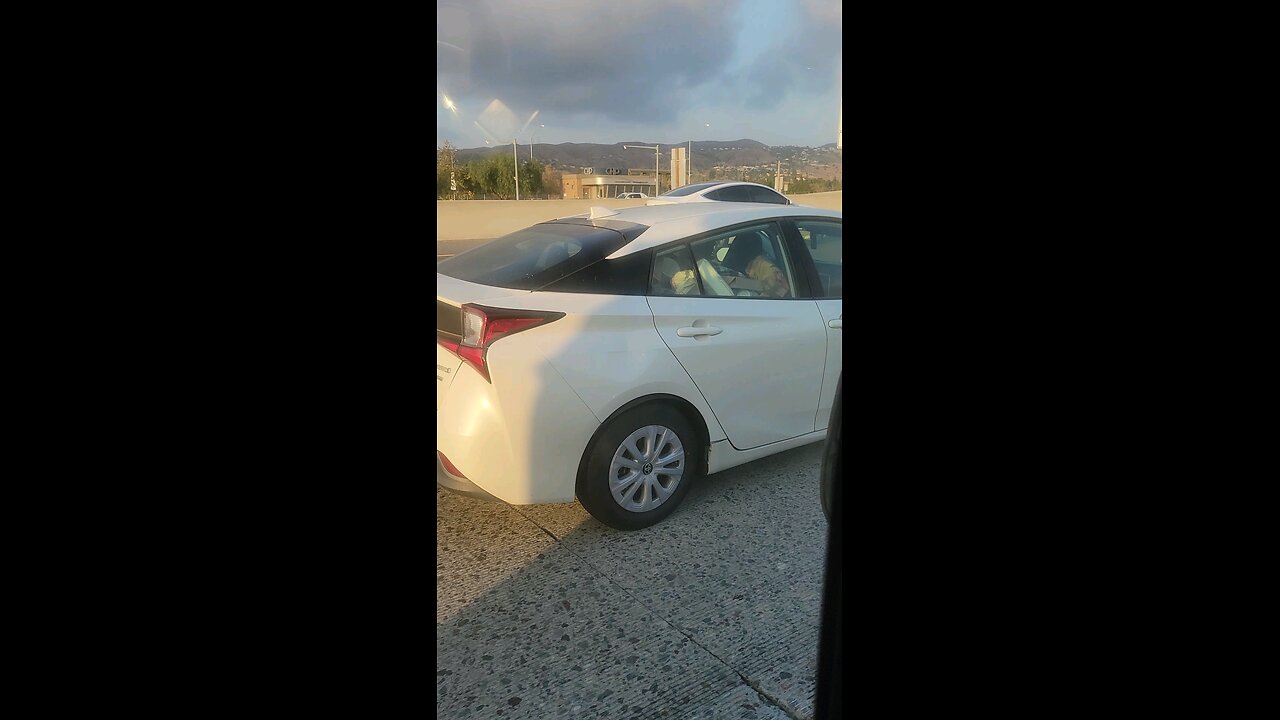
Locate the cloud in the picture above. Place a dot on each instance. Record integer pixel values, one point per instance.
(830, 13)
(624, 61)
(804, 59)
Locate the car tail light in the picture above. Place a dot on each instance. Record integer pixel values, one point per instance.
(447, 342)
(483, 326)
(449, 466)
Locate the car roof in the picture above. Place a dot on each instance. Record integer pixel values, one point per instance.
(740, 182)
(665, 223)
(710, 185)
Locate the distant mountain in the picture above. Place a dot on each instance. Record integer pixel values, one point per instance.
(572, 157)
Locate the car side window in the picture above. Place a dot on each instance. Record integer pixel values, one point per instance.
(733, 193)
(673, 273)
(747, 262)
(824, 239)
(764, 195)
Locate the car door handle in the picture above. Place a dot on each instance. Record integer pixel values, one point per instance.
(695, 331)
(837, 323)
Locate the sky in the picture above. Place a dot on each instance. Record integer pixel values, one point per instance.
(650, 71)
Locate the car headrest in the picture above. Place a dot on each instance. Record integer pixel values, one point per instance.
(744, 249)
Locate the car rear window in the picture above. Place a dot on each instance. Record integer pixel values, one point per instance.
(535, 257)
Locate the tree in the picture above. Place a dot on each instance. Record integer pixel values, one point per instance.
(501, 169)
(475, 177)
(531, 172)
(552, 180)
(494, 175)
(485, 175)
(446, 162)
(467, 183)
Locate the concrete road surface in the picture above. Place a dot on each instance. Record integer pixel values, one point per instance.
(542, 612)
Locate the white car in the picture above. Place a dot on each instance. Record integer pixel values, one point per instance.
(722, 192)
(614, 357)
(633, 196)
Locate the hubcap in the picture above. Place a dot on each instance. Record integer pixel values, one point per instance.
(646, 468)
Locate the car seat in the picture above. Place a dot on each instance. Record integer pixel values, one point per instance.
(663, 271)
(745, 248)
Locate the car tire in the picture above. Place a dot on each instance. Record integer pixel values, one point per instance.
(621, 480)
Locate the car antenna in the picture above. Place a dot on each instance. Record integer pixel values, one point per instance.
(598, 211)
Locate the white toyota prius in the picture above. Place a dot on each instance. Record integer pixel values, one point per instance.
(615, 356)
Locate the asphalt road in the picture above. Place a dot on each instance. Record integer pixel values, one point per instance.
(543, 612)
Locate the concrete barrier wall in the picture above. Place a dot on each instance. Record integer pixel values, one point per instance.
(826, 200)
(472, 219)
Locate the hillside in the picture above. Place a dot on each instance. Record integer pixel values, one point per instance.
(744, 153)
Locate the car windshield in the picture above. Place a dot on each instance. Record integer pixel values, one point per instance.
(535, 257)
(689, 189)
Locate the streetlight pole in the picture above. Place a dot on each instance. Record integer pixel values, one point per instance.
(657, 187)
(532, 137)
(516, 158)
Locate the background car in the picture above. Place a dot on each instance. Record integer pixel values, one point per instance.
(722, 192)
(632, 196)
(616, 356)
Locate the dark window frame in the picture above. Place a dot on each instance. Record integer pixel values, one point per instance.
(796, 246)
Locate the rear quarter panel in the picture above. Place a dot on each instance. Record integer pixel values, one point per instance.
(608, 350)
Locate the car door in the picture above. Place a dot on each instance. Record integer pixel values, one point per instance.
(754, 349)
(821, 240)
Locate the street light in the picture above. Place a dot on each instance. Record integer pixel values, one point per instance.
(532, 136)
(656, 186)
(516, 158)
